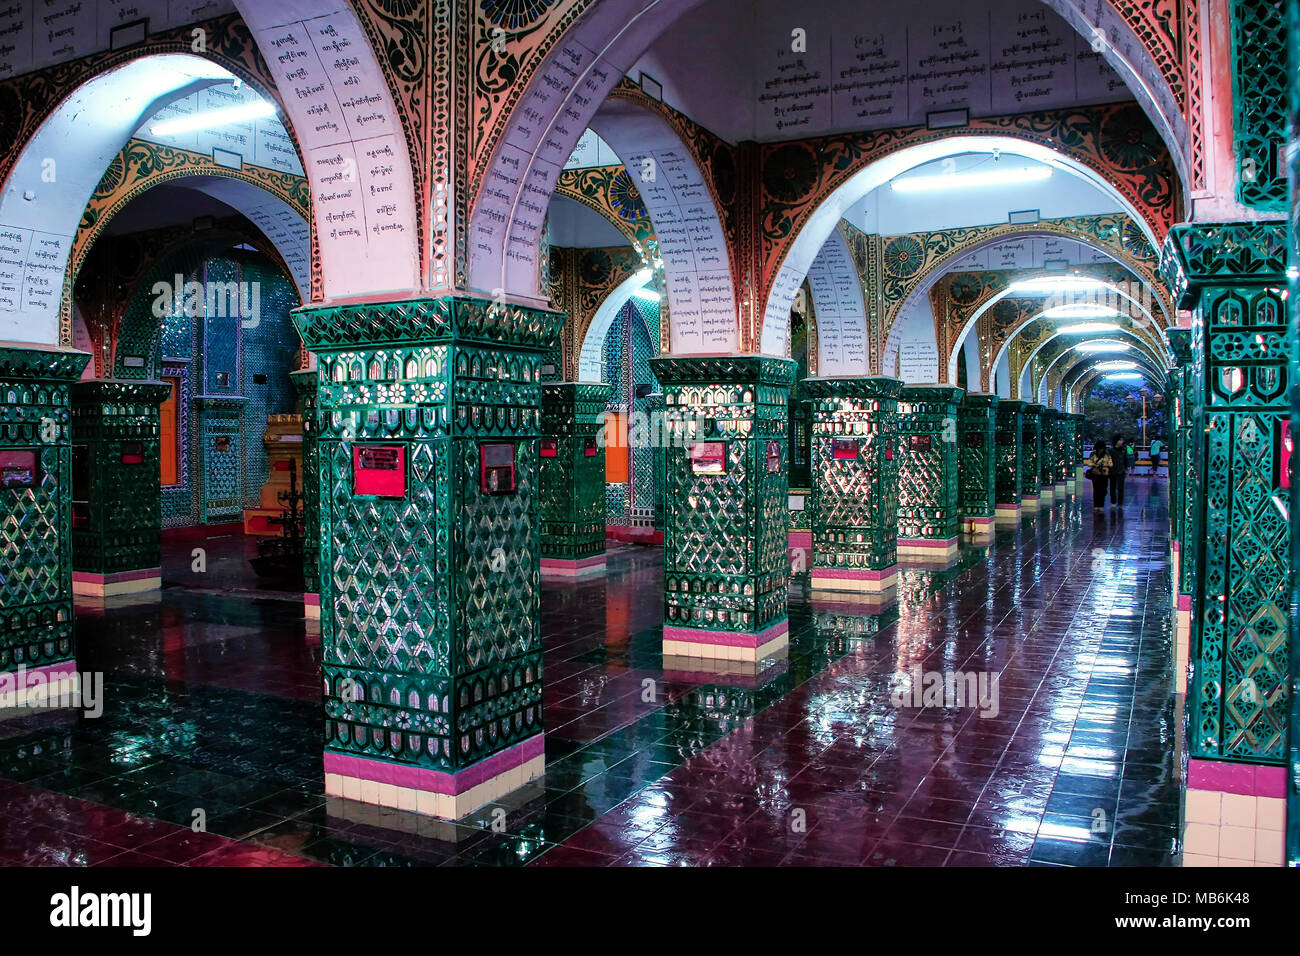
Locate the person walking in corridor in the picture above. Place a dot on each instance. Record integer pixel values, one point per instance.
(1118, 471)
(1099, 471)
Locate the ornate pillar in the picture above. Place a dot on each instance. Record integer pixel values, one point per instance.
(304, 383)
(800, 482)
(926, 426)
(976, 466)
(37, 653)
(429, 414)
(116, 487)
(1184, 493)
(1007, 462)
(1031, 445)
(654, 405)
(572, 465)
(726, 569)
(221, 457)
(1232, 276)
(855, 485)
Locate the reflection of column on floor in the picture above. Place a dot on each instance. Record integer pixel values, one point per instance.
(1232, 277)
(726, 568)
(573, 478)
(926, 427)
(976, 465)
(116, 487)
(1007, 460)
(430, 622)
(855, 487)
(37, 654)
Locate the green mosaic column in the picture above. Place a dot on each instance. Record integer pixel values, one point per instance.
(1007, 462)
(116, 487)
(977, 420)
(726, 570)
(1077, 455)
(928, 516)
(305, 383)
(800, 542)
(654, 404)
(854, 498)
(429, 414)
(1031, 445)
(1184, 494)
(36, 639)
(572, 464)
(1046, 458)
(1293, 170)
(1233, 277)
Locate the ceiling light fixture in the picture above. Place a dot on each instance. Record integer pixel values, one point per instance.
(1117, 366)
(1089, 328)
(1100, 348)
(998, 177)
(214, 118)
(1052, 285)
(1123, 377)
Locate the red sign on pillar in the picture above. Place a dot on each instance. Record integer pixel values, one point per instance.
(379, 470)
(1284, 455)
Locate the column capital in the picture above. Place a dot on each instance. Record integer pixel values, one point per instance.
(1221, 253)
(738, 369)
(120, 390)
(1180, 343)
(19, 360)
(931, 393)
(980, 400)
(369, 324)
(854, 386)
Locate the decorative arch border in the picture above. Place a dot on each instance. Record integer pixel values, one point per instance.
(606, 38)
(610, 191)
(1036, 381)
(1085, 368)
(1023, 345)
(160, 245)
(1116, 143)
(955, 309)
(912, 262)
(581, 280)
(142, 165)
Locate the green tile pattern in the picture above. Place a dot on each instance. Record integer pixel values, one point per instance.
(123, 507)
(977, 418)
(431, 651)
(1007, 450)
(304, 384)
(573, 482)
(36, 522)
(926, 431)
(854, 503)
(725, 536)
(1232, 276)
(1031, 445)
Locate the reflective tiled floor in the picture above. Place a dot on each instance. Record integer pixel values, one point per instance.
(212, 712)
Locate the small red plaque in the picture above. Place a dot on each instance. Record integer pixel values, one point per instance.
(844, 449)
(379, 470)
(708, 458)
(550, 448)
(17, 468)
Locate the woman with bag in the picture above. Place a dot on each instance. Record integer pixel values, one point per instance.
(1099, 466)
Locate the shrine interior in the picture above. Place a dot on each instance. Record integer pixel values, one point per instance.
(559, 433)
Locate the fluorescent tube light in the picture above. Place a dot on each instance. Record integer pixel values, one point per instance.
(998, 177)
(214, 118)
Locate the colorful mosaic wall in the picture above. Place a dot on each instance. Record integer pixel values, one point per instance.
(35, 511)
(725, 535)
(1232, 276)
(116, 510)
(429, 448)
